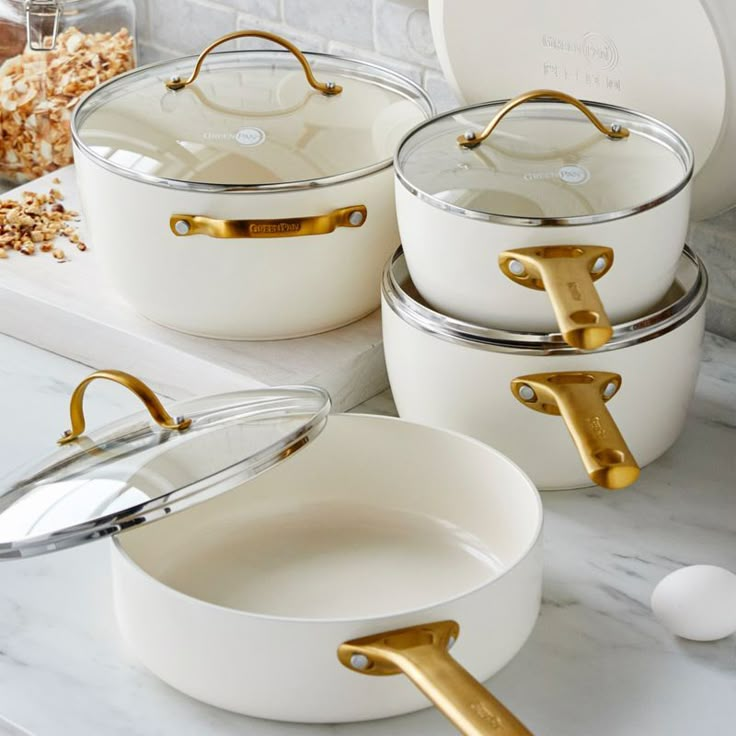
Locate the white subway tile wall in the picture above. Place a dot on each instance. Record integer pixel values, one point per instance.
(396, 34)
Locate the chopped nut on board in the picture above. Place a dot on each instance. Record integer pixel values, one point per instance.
(32, 225)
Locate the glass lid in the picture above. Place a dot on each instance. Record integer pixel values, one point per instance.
(136, 470)
(544, 158)
(249, 119)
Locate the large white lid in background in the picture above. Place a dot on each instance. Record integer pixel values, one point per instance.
(675, 61)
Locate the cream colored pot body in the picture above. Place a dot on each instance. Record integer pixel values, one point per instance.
(255, 288)
(466, 388)
(287, 668)
(454, 261)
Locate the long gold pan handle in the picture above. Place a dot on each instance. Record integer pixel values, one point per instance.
(566, 273)
(288, 227)
(580, 398)
(471, 138)
(422, 654)
(150, 400)
(327, 88)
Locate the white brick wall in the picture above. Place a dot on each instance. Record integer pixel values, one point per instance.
(396, 34)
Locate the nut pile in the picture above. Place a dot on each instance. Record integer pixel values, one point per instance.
(39, 90)
(35, 223)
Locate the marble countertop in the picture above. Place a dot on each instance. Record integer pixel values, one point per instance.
(597, 662)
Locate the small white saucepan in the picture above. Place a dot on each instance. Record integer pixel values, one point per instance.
(375, 548)
(552, 196)
(526, 393)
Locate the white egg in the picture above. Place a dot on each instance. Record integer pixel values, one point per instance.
(697, 602)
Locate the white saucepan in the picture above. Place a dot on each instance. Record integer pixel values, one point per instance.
(245, 194)
(584, 201)
(526, 394)
(375, 549)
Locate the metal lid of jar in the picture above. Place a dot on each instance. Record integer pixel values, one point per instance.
(682, 301)
(249, 120)
(133, 472)
(548, 159)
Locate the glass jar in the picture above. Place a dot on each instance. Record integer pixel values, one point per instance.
(51, 53)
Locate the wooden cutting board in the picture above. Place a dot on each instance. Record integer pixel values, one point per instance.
(69, 308)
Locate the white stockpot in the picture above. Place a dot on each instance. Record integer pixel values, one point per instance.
(251, 201)
(553, 195)
(376, 547)
(526, 394)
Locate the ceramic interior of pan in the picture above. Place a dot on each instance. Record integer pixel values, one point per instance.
(377, 517)
(685, 297)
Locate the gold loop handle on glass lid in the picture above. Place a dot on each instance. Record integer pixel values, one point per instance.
(566, 273)
(580, 398)
(143, 392)
(327, 88)
(471, 139)
(422, 654)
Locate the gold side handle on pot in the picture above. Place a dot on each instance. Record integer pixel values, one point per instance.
(289, 227)
(566, 273)
(471, 138)
(422, 654)
(327, 88)
(580, 398)
(143, 392)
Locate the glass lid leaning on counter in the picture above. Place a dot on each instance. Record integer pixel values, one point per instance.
(146, 466)
(543, 158)
(249, 119)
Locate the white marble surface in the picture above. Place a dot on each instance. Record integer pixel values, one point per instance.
(597, 663)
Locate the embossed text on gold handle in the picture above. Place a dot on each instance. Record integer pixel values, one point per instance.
(421, 653)
(288, 227)
(471, 138)
(566, 273)
(150, 400)
(580, 398)
(327, 88)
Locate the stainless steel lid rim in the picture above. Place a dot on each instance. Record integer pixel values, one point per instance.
(81, 111)
(626, 334)
(208, 188)
(668, 137)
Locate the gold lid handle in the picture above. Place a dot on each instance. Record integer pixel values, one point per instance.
(421, 653)
(566, 273)
(580, 398)
(471, 139)
(327, 88)
(154, 406)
